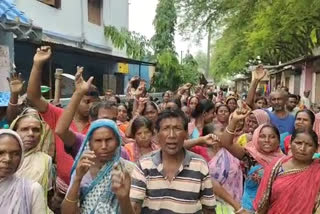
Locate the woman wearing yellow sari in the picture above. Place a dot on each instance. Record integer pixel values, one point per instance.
(37, 165)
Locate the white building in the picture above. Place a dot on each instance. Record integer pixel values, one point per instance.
(75, 31)
(78, 23)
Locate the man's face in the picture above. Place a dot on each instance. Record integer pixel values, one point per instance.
(110, 113)
(278, 101)
(172, 135)
(307, 93)
(291, 103)
(85, 104)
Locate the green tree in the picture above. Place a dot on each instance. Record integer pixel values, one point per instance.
(170, 74)
(277, 30)
(136, 46)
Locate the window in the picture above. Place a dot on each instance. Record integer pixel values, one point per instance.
(94, 11)
(53, 3)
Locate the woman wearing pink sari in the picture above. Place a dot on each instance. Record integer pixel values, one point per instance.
(255, 156)
(292, 184)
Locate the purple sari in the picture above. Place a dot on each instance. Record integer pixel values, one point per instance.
(226, 169)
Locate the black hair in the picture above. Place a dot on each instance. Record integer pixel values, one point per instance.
(175, 101)
(274, 128)
(141, 122)
(93, 92)
(261, 98)
(208, 129)
(231, 98)
(293, 96)
(210, 95)
(199, 110)
(127, 108)
(172, 114)
(208, 105)
(152, 104)
(310, 132)
(94, 110)
(309, 113)
(118, 99)
(219, 106)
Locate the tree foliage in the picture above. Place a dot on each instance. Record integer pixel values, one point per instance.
(136, 46)
(170, 74)
(275, 30)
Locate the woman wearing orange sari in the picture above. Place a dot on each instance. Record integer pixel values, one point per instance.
(292, 184)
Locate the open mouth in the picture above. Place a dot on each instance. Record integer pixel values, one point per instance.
(172, 145)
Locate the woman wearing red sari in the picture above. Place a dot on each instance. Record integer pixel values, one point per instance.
(292, 184)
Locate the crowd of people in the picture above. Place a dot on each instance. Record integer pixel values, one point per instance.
(198, 150)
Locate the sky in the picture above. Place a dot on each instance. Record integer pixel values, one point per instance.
(141, 15)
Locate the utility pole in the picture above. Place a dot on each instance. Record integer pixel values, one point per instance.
(208, 53)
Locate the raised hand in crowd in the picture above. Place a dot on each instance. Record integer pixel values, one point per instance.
(121, 182)
(41, 56)
(81, 85)
(120, 185)
(16, 85)
(258, 74)
(84, 164)
(62, 127)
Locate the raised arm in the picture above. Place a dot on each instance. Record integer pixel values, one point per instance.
(228, 135)
(258, 75)
(64, 122)
(121, 183)
(209, 140)
(70, 204)
(15, 84)
(34, 92)
(57, 90)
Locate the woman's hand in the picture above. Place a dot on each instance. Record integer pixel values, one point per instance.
(121, 182)
(81, 85)
(142, 104)
(42, 55)
(240, 114)
(259, 73)
(15, 83)
(86, 161)
(211, 139)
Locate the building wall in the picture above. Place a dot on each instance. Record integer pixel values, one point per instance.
(68, 61)
(134, 71)
(71, 21)
(291, 84)
(6, 57)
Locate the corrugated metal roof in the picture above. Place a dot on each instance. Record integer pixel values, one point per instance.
(9, 11)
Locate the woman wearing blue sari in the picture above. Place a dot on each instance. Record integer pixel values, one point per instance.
(90, 186)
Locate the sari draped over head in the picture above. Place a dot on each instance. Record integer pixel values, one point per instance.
(37, 164)
(256, 152)
(261, 116)
(295, 191)
(316, 126)
(15, 192)
(98, 197)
